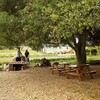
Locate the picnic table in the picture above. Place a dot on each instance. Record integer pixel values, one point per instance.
(79, 71)
(59, 67)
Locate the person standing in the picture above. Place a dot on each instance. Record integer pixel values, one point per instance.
(19, 52)
(26, 53)
(27, 56)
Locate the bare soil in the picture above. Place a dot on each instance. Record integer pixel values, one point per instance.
(38, 83)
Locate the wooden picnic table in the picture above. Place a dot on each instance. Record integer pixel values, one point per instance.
(64, 67)
(79, 71)
(59, 67)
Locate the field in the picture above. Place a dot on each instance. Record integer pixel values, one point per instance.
(6, 55)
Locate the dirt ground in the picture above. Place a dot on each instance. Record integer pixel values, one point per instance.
(39, 84)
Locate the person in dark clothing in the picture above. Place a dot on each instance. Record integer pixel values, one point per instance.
(26, 53)
(27, 57)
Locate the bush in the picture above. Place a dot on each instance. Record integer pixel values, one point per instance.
(94, 52)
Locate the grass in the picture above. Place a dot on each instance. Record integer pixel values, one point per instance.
(6, 55)
(97, 57)
(76, 90)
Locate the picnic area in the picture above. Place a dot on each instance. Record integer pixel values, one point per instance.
(49, 49)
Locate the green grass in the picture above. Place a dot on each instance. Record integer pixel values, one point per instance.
(97, 57)
(6, 55)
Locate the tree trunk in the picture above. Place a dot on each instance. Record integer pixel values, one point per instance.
(81, 56)
(78, 44)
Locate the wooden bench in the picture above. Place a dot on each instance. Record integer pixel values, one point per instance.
(92, 72)
(94, 62)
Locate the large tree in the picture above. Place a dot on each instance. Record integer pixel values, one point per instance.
(79, 20)
(62, 21)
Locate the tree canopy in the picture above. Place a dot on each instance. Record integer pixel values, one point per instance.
(10, 25)
(63, 21)
(39, 22)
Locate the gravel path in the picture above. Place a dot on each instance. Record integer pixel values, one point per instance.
(39, 84)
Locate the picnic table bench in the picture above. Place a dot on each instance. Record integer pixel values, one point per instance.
(94, 62)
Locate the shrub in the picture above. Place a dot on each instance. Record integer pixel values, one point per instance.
(94, 52)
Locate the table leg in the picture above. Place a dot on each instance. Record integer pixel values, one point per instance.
(67, 75)
(91, 75)
(78, 74)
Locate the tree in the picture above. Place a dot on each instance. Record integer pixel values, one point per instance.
(11, 33)
(78, 21)
(65, 21)
(33, 25)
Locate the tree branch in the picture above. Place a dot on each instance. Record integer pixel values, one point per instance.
(70, 44)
